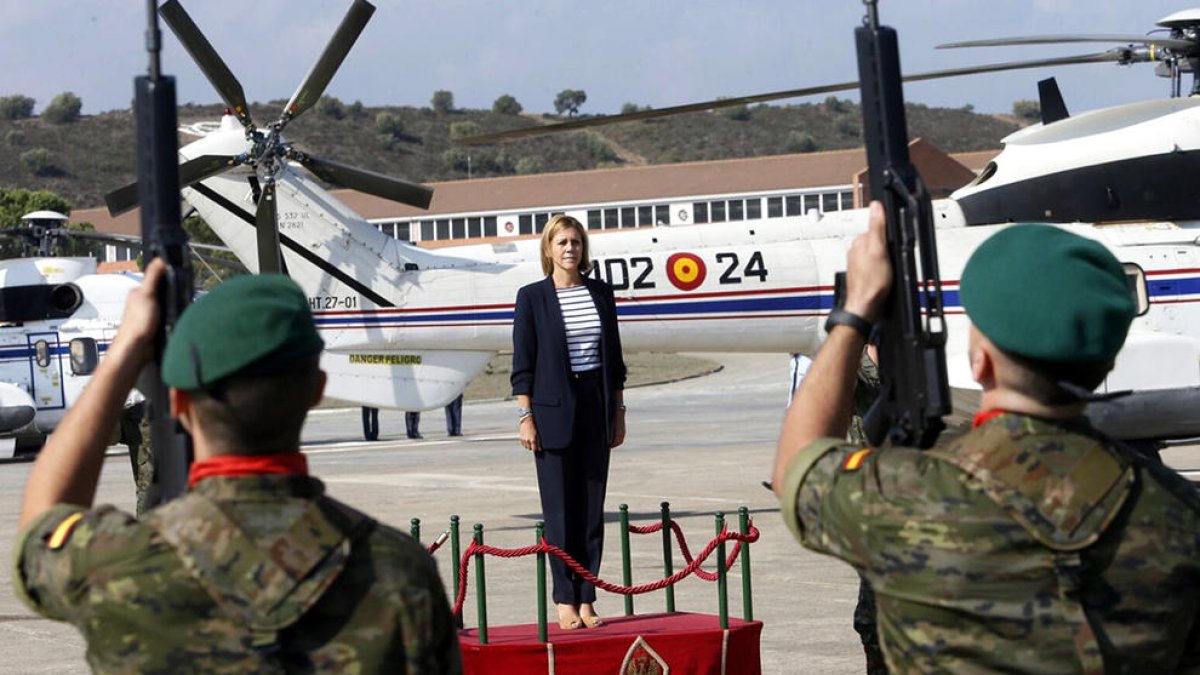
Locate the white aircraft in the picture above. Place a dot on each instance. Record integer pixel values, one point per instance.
(408, 327)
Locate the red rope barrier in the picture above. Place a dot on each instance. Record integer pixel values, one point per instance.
(693, 566)
(683, 547)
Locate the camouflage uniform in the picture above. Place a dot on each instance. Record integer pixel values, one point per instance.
(215, 582)
(1024, 545)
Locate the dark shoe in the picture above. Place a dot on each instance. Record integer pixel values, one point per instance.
(416, 437)
(455, 433)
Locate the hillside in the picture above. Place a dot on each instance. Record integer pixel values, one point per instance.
(83, 160)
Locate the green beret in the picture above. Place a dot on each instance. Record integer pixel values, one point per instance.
(250, 324)
(1045, 293)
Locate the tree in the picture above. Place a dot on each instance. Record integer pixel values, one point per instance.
(15, 203)
(39, 162)
(739, 113)
(569, 100)
(800, 141)
(63, 109)
(464, 129)
(834, 104)
(629, 108)
(456, 159)
(16, 107)
(443, 101)
(389, 123)
(528, 165)
(355, 109)
(1028, 111)
(506, 105)
(331, 106)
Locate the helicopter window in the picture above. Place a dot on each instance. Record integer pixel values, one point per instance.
(443, 229)
(700, 212)
(795, 205)
(662, 214)
(458, 228)
(84, 356)
(475, 227)
(988, 172)
(41, 353)
(774, 207)
(811, 203)
(717, 211)
(645, 215)
(847, 200)
(489, 226)
(1135, 277)
(737, 209)
(754, 208)
(593, 222)
(829, 202)
(426, 230)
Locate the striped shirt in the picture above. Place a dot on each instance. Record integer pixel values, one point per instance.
(583, 327)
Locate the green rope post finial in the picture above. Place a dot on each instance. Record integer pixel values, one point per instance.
(414, 528)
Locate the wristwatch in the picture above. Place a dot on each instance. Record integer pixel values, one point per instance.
(522, 413)
(840, 317)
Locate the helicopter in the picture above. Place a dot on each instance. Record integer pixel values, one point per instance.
(409, 328)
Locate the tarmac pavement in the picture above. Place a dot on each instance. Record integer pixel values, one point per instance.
(703, 444)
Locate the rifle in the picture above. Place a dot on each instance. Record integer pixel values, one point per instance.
(914, 393)
(162, 237)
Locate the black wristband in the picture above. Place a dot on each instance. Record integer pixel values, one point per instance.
(840, 317)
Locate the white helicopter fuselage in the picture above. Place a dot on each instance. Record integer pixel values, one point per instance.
(409, 327)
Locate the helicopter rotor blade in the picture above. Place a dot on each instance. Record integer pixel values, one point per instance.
(322, 72)
(1167, 43)
(572, 125)
(413, 194)
(134, 240)
(192, 171)
(267, 223)
(206, 57)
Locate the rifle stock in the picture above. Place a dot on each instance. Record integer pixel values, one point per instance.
(162, 237)
(911, 334)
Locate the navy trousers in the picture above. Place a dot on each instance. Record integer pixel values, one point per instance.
(454, 416)
(572, 482)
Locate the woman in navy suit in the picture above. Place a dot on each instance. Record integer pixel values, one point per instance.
(568, 376)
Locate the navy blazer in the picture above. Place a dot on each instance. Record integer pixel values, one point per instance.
(541, 366)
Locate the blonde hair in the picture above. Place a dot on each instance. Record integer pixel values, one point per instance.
(558, 224)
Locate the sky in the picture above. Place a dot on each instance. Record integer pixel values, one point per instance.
(648, 52)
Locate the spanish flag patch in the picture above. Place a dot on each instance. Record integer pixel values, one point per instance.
(855, 460)
(63, 532)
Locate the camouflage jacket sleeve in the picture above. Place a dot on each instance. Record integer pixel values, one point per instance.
(53, 554)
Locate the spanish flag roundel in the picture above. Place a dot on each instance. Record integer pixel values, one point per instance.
(685, 271)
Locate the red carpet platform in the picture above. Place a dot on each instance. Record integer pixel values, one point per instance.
(648, 644)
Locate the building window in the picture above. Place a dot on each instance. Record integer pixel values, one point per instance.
(829, 201)
(610, 219)
(847, 200)
(404, 231)
(774, 207)
(736, 209)
(795, 205)
(645, 215)
(489, 226)
(525, 224)
(475, 227)
(539, 221)
(753, 208)
(662, 214)
(426, 230)
(700, 212)
(443, 229)
(717, 211)
(628, 217)
(458, 228)
(593, 221)
(811, 203)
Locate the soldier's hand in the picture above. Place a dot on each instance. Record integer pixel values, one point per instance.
(139, 324)
(868, 270)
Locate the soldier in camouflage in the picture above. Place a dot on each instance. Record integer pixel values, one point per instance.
(254, 569)
(1032, 543)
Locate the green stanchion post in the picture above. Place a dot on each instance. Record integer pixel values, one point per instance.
(455, 554)
(480, 588)
(747, 597)
(668, 565)
(722, 596)
(626, 567)
(539, 530)
(414, 528)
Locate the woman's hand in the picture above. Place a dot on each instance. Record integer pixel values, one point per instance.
(529, 434)
(618, 429)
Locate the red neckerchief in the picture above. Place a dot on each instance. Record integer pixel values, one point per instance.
(248, 465)
(984, 416)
